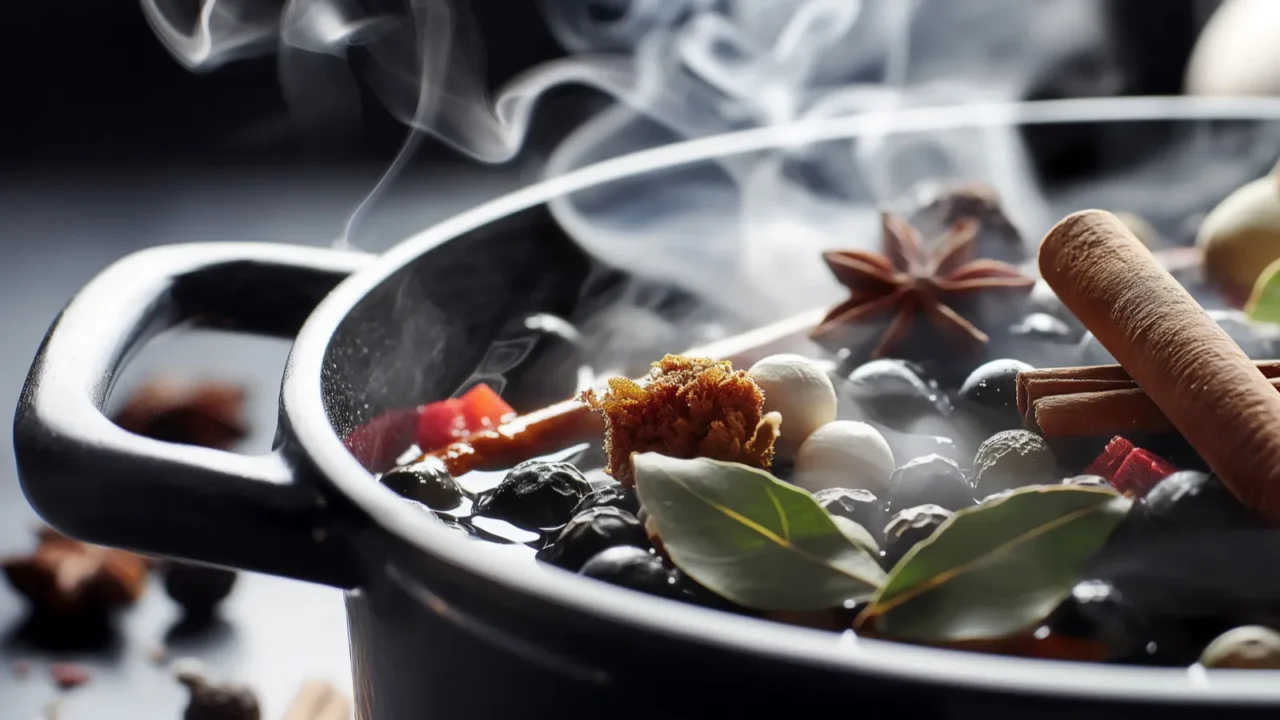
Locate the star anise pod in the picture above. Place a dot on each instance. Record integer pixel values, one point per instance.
(907, 282)
(66, 577)
(950, 203)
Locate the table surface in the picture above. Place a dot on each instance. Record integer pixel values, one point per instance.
(57, 232)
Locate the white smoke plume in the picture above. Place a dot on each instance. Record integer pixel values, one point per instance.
(676, 70)
(830, 108)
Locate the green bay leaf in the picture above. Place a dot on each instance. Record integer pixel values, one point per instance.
(1264, 303)
(997, 569)
(752, 538)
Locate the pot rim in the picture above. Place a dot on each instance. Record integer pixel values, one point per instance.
(302, 403)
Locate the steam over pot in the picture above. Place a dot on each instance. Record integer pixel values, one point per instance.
(444, 627)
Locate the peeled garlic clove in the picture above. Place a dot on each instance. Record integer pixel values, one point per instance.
(798, 390)
(1241, 237)
(844, 454)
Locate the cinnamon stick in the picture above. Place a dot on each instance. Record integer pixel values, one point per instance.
(1049, 378)
(1191, 370)
(570, 421)
(1268, 368)
(1046, 388)
(1035, 389)
(537, 433)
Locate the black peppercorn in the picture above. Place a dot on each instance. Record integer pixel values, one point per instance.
(989, 394)
(908, 528)
(197, 588)
(634, 568)
(929, 480)
(623, 498)
(536, 495)
(427, 482)
(590, 532)
(860, 506)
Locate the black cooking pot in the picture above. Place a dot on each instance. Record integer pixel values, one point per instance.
(443, 626)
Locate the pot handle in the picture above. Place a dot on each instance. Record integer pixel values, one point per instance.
(95, 481)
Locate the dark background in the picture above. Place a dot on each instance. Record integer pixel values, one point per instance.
(108, 145)
(87, 83)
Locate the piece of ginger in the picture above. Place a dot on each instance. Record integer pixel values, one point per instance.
(686, 408)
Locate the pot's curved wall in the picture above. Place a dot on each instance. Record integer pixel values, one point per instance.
(414, 658)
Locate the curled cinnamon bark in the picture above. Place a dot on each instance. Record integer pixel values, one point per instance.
(1199, 379)
(1098, 400)
(536, 433)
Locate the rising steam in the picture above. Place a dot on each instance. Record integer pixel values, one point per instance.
(677, 70)
(695, 66)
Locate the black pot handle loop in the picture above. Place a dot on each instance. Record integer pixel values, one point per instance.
(95, 481)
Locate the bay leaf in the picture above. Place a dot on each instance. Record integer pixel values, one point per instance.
(996, 569)
(752, 538)
(1264, 303)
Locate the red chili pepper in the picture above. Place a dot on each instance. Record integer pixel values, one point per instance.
(1109, 462)
(484, 409)
(447, 421)
(1140, 472)
(381, 440)
(1131, 470)
(440, 423)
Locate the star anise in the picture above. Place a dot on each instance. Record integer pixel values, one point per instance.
(66, 577)
(907, 281)
(952, 202)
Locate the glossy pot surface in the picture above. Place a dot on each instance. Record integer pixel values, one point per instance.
(443, 626)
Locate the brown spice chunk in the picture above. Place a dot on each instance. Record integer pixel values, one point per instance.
(218, 702)
(70, 578)
(207, 414)
(686, 408)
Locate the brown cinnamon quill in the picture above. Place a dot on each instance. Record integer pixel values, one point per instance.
(1098, 400)
(1210, 391)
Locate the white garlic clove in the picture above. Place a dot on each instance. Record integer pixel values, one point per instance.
(844, 454)
(796, 388)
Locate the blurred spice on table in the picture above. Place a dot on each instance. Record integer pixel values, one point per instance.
(68, 578)
(76, 585)
(208, 414)
(210, 701)
(68, 676)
